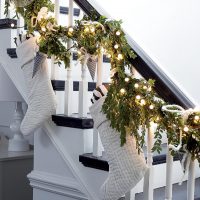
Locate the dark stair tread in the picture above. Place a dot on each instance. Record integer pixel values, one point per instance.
(88, 160)
(6, 23)
(73, 121)
(59, 85)
(12, 53)
(65, 10)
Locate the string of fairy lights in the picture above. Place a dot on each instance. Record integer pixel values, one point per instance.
(131, 103)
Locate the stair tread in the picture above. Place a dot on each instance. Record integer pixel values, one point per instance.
(59, 85)
(73, 121)
(6, 23)
(12, 53)
(88, 160)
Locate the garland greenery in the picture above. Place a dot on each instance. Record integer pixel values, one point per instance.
(131, 104)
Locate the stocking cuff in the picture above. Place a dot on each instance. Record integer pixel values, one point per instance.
(26, 51)
(96, 112)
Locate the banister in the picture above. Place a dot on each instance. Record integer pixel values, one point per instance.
(164, 86)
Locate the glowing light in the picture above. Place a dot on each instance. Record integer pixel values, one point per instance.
(71, 30)
(86, 29)
(12, 25)
(138, 97)
(126, 79)
(103, 50)
(108, 55)
(118, 33)
(149, 89)
(43, 29)
(122, 91)
(151, 107)
(142, 102)
(79, 52)
(196, 117)
(92, 29)
(144, 87)
(186, 129)
(120, 56)
(136, 85)
(116, 46)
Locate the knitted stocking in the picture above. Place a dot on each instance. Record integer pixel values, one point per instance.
(126, 167)
(41, 97)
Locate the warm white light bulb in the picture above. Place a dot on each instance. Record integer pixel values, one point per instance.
(86, 29)
(122, 91)
(144, 87)
(143, 102)
(120, 56)
(12, 25)
(186, 129)
(138, 97)
(43, 29)
(108, 55)
(116, 46)
(126, 79)
(149, 89)
(71, 30)
(136, 85)
(92, 29)
(151, 107)
(196, 117)
(118, 33)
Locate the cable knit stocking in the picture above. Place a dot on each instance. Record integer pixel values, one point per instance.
(41, 97)
(126, 167)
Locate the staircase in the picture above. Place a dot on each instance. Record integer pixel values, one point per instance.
(68, 159)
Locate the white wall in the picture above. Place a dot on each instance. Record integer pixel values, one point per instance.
(168, 31)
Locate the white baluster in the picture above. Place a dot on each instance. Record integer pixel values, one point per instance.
(99, 69)
(169, 165)
(97, 145)
(69, 82)
(191, 181)
(2, 5)
(148, 178)
(54, 67)
(17, 143)
(20, 24)
(83, 92)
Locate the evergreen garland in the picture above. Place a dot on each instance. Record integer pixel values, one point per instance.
(131, 103)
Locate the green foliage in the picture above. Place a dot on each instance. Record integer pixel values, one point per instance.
(131, 104)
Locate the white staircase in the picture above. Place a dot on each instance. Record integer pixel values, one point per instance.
(58, 174)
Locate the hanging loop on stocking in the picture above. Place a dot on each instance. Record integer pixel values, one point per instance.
(181, 112)
(88, 23)
(42, 14)
(89, 60)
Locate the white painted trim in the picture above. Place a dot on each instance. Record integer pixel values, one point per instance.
(53, 137)
(69, 161)
(56, 184)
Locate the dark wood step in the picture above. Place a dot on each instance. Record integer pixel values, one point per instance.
(59, 85)
(6, 23)
(73, 121)
(88, 160)
(12, 53)
(65, 10)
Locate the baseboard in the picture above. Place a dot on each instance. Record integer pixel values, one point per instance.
(59, 185)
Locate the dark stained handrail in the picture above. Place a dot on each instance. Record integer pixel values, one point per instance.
(164, 86)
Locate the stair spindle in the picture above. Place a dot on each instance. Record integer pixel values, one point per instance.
(17, 143)
(148, 178)
(191, 181)
(169, 165)
(2, 3)
(69, 82)
(83, 91)
(97, 145)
